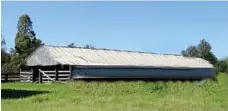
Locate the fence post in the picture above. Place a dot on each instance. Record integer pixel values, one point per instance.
(40, 77)
(70, 76)
(33, 75)
(20, 78)
(6, 77)
(56, 73)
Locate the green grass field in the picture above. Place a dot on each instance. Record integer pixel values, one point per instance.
(117, 96)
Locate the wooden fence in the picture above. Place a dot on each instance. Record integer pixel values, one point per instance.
(45, 76)
(23, 76)
(10, 77)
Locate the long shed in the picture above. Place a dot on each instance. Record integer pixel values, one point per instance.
(108, 63)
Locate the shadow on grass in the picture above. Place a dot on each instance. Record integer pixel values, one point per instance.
(16, 94)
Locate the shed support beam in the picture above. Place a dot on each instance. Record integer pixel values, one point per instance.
(70, 76)
(33, 75)
(56, 73)
(40, 77)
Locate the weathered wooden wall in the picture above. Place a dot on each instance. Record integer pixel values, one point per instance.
(26, 75)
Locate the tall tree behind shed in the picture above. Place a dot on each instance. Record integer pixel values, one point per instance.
(25, 43)
(202, 50)
(191, 51)
(205, 52)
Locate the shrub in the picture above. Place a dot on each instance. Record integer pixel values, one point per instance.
(159, 87)
(222, 66)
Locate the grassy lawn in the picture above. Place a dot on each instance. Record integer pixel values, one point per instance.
(117, 96)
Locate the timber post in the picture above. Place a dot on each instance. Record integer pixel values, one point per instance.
(40, 77)
(33, 75)
(56, 73)
(6, 77)
(70, 76)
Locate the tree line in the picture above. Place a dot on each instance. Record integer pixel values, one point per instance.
(203, 50)
(26, 42)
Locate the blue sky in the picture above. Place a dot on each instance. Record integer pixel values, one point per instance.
(160, 27)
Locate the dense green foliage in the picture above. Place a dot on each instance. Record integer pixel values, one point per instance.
(191, 51)
(222, 65)
(118, 96)
(25, 43)
(5, 57)
(202, 50)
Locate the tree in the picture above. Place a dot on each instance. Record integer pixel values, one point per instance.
(202, 50)
(209, 56)
(222, 65)
(71, 45)
(184, 53)
(204, 46)
(25, 43)
(191, 51)
(87, 46)
(3, 42)
(4, 55)
(205, 52)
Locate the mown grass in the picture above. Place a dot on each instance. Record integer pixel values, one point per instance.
(117, 96)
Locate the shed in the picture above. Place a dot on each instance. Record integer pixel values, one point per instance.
(109, 63)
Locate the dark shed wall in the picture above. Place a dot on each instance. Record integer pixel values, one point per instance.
(156, 73)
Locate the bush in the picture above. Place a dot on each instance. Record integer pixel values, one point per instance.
(159, 87)
(222, 66)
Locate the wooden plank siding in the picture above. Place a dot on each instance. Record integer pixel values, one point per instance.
(57, 75)
(26, 75)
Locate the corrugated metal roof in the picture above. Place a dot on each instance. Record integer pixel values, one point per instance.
(52, 55)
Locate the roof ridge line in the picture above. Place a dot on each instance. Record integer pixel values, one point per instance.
(117, 50)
